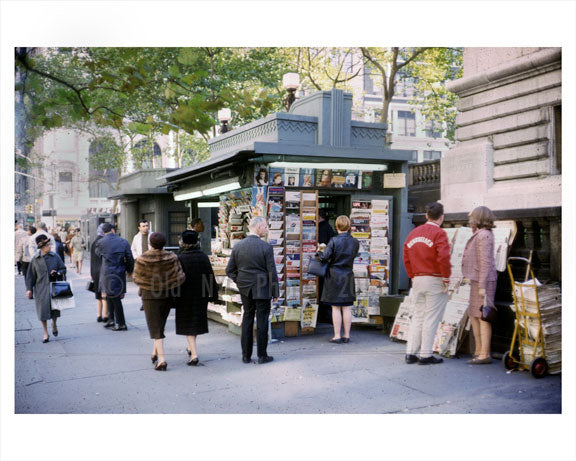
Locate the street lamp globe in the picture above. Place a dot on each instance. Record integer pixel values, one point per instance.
(224, 116)
(290, 82)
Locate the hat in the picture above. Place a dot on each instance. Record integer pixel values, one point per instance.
(190, 237)
(42, 241)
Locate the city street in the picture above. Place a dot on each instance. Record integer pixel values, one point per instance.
(89, 370)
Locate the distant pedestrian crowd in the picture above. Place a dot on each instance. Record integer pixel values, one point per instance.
(186, 281)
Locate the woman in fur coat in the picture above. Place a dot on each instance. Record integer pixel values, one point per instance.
(199, 288)
(158, 274)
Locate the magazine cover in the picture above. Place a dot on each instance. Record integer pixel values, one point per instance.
(306, 177)
(323, 178)
(291, 177)
(258, 200)
(276, 177)
(260, 175)
(338, 178)
(351, 179)
(367, 179)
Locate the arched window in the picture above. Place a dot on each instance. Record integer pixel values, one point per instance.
(100, 182)
(147, 155)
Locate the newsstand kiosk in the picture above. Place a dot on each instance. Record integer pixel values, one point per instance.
(286, 167)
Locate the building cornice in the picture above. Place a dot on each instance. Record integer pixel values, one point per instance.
(515, 70)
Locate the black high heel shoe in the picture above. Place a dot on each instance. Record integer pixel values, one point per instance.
(154, 358)
(193, 362)
(46, 340)
(161, 366)
(189, 352)
(55, 332)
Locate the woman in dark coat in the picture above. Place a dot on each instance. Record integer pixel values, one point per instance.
(59, 245)
(44, 268)
(199, 288)
(158, 274)
(339, 290)
(95, 266)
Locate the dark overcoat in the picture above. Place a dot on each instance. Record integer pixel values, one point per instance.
(339, 281)
(252, 268)
(38, 281)
(95, 266)
(199, 287)
(116, 261)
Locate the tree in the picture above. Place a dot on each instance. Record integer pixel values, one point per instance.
(429, 67)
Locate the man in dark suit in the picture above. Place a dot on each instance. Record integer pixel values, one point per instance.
(252, 268)
(117, 260)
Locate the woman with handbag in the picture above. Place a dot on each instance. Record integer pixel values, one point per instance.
(44, 268)
(158, 275)
(199, 288)
(339, 290)
(478, 267)
(95, 266)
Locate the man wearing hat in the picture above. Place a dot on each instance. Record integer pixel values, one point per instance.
(252, 268)
(117, 260)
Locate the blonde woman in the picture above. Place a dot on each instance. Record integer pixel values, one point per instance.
(478, 266)
(339, 290)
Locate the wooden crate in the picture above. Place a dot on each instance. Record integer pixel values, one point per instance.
(307, 331)
(291, 328)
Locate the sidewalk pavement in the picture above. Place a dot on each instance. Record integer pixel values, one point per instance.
(88, 369)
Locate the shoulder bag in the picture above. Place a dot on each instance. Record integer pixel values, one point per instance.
(317, 268)
(489, 313)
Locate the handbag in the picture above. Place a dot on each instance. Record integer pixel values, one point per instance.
(317, 268)
(90, 286)
(60, 290)
(489, 313)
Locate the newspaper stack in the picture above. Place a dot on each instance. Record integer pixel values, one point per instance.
(452, 323)
(550, 303)
(401, 327)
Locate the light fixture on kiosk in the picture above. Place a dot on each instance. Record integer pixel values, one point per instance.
(332, 166)
(290, 82)
(224, 116)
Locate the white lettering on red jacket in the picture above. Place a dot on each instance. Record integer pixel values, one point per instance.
(423, 240)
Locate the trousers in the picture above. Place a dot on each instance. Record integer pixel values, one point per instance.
(261, 309)
(430, 304)
(115, 310)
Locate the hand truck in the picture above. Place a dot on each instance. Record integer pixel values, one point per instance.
(535, 361)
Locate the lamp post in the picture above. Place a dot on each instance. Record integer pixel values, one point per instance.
(224, 116)
(290, 82)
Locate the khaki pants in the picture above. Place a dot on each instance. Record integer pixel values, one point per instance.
(428, 311)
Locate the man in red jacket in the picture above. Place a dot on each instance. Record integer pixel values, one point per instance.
(427, 262)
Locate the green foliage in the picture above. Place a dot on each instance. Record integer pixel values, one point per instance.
(192, 150)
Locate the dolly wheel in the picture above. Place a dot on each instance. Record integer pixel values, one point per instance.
(510, 363)
(539, 367)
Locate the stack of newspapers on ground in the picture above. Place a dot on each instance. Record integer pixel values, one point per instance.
(550, 304)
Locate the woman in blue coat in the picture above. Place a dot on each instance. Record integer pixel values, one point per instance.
(339, 290)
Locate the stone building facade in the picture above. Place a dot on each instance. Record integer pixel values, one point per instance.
(509, 151)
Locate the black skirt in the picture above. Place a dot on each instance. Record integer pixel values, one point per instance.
(192, 317)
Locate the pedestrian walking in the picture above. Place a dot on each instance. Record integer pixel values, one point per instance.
(69, 238)
(117, 261)
(427, 263)
(199, 287)
(78, 244)
(252, 268)
(20, 236)
(95, 267)
(141, 242)
(158, 274)
(59, 245)
(339, 290)
(44, 268)
(478, 266)
(40, 230)
(23, 252)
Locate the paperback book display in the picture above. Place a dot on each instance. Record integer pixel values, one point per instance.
(275, 210)
(234, 214)
(369, 220)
